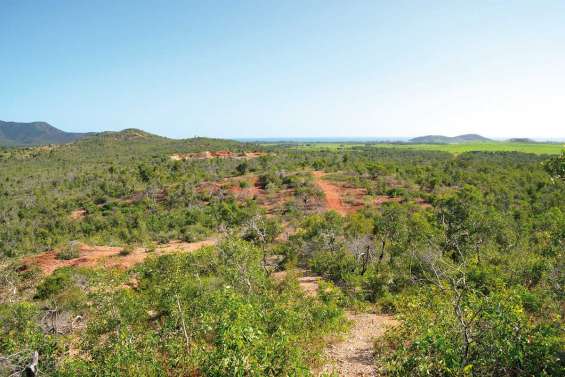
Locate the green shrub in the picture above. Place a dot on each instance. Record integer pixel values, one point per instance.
(502, 341)
(20, 335)
(335, 266)
(219, 315)
(54, 284)
(193, 233)
(71, 251)
(387, 304)
(126, 250)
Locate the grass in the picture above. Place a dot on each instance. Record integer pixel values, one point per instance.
(536, 148)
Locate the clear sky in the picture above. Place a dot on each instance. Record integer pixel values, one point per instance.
(286, 68)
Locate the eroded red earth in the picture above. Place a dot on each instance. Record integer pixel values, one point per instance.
(108, 256)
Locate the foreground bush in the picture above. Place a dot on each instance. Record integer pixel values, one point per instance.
(499, 339)
(213, 313)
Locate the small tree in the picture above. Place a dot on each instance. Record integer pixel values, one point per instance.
(242, 168)
(555, 166)
(261, 231)
(364, 251)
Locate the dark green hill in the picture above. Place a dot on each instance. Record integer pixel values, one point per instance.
(34, 133)
(440, 139)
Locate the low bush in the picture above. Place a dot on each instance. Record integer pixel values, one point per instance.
(126, 250)
(54, 284)
(71, 251)
(497, 340)
(220, 314)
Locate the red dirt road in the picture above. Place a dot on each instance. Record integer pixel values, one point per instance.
(333, 198)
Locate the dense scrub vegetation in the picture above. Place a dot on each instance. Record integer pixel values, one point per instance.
(466, 251)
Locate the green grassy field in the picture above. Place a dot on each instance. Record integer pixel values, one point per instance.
(537, 148)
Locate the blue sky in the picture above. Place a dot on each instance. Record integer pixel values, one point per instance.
(286, 68)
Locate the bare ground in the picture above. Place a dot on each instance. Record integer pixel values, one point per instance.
(108, 256)
(354, 355)
(215, 154)
(78, 214)
(332, 195)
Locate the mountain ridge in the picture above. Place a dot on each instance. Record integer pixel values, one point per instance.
(21, 134)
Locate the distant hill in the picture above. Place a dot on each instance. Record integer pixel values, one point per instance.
(129, 134)
(34, 133)
(521, 140)
(440, 139)
(120, 145)
(123, 147)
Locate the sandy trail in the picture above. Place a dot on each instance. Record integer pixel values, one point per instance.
(333, 198)
(354, 356)
(108, 256)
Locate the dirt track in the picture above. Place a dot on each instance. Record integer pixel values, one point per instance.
(354, 356)
(333, 198)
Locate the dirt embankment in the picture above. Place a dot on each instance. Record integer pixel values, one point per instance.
(108, 256)
(218, 154)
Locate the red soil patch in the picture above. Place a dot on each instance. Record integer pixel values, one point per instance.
(219, 154)
(332, 194)
(208, 187)
(108, 256)
(272, 202)
(353, 198)
(422, 203)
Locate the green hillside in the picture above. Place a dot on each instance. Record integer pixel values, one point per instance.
(117, 259)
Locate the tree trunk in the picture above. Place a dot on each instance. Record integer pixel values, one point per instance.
(31, 369)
